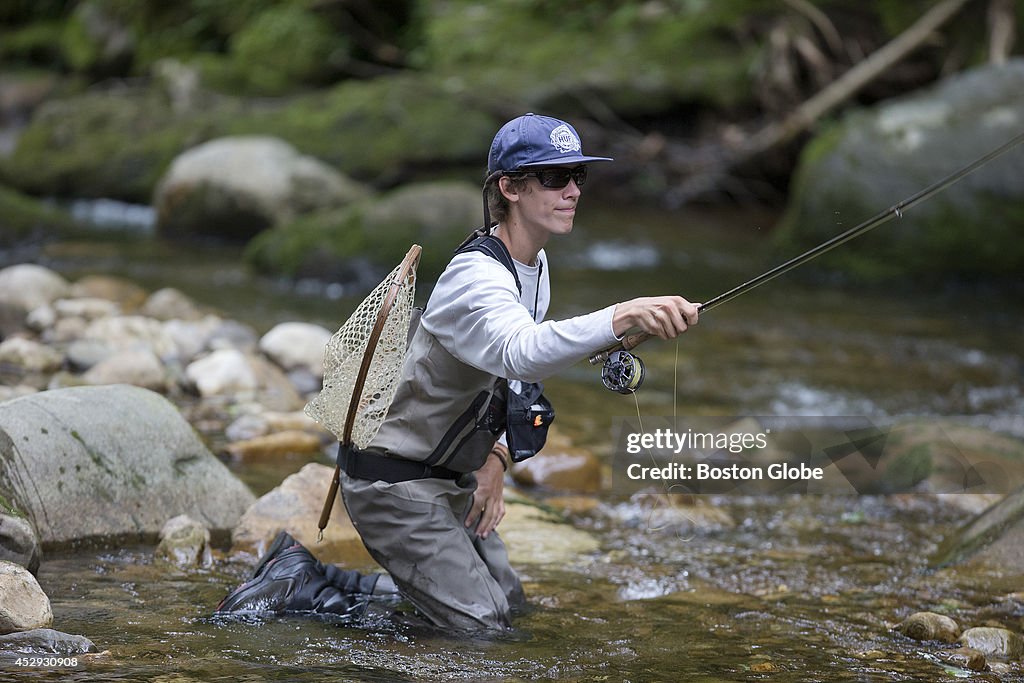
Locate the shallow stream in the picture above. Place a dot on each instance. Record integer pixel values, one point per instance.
(804, 588)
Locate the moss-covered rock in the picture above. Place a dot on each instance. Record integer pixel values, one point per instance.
(873, 159)
(106, 143)
(23, 218)
(118, 142)
(373, 235)
(235, 187)
(633, 57)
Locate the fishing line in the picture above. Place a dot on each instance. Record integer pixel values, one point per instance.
(623, 372)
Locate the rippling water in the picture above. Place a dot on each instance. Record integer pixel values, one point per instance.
(803, 588)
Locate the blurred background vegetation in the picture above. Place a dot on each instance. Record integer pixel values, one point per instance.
(97, 97)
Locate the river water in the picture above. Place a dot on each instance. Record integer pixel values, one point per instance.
(802, 588)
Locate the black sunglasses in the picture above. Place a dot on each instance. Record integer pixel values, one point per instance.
(557, 178)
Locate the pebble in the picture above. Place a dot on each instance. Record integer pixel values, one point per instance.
(930, 626)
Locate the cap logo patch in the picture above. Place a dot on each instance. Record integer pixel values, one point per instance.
(563, 139)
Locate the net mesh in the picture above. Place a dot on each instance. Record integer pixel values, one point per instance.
(344, 354)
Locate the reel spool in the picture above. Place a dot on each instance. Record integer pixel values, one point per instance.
(622, 372)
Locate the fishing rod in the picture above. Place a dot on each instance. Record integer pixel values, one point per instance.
(623, 372)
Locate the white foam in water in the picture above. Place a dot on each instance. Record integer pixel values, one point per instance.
(620, 256)
(795, 399)
(647, 588)
(112, 214)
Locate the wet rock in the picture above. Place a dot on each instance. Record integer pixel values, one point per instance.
(233, 374)
(247, 427)
(231, 334)
(537, 536)
(23, 604)
(295, 507)
(88, 308)
(572, 469)
(675, 514)
(170, 304)
(561, 466)
(23, 288)
(1000, 642)
(305, 382)
(252, 425)
(930, 626)
(185, 543)
(99, 461)
(235, 187)
(41, 318)
(65, 330)
(83, 354)
(275, 445)
(29, 356)
(130, 332)
(965, 658)
(191, 337)
(296, 345)
(994, 538)
(45, 641)
(18, 542)
(223, 372)
(138, 367)
(126, 294)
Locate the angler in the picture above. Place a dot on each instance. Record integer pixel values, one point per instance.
(425, 490)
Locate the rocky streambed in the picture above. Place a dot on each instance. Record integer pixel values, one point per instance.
(155, 446)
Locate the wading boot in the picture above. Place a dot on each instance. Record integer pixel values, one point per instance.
(289, 579)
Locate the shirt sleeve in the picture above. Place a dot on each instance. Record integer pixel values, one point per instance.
(475, 312)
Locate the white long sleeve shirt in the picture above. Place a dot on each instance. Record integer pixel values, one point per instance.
(476, 312)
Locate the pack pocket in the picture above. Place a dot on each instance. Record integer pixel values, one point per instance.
(529, 415)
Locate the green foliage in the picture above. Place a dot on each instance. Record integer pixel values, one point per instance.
(622, 52)
(79, 49)
(34, 43)
(283, 46)
(15, 12)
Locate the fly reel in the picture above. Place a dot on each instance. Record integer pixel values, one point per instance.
(622, 372)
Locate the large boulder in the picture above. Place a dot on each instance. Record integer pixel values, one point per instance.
(236, 187)
(873, 159)
(295, 507)
(108, 461)
(370, 237)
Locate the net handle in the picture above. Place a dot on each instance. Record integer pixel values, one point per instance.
(406, 270)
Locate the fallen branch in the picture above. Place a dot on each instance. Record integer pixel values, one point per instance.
(706, 168)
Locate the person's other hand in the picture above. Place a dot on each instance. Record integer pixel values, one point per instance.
(488, 506)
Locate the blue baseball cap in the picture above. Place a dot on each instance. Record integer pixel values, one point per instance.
(533, 140)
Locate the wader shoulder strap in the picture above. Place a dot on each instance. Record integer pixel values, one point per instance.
(496, 249)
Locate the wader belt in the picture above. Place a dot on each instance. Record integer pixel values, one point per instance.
(372, 467)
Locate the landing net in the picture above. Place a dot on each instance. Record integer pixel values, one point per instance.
(345, 353)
